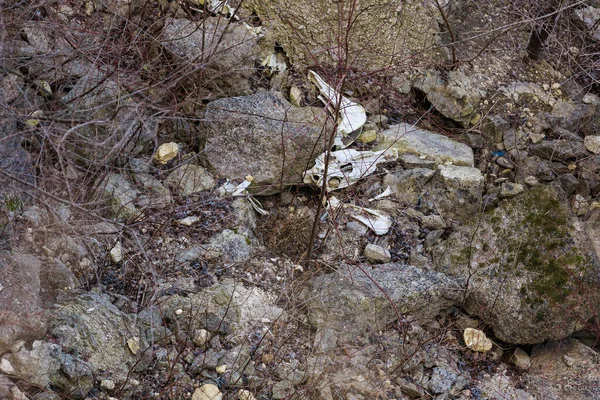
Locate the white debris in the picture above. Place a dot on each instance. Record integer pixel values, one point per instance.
(272, 64)
(347, 166)
(386, 193)
(188, 221)
(352, 115)
(229, 189)
(375, 220)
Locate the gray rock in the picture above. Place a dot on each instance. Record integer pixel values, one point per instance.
(94, 329)
(570, 115)
(22, 314)
(510, 189)
(351, 303)
(592, 143)
(409, 139)
(456, 98)
(571, 366)
(456, 191)
(410, 161)
(304, 32)
(224, 52)
(521, 359)
(561, 150)
(226, 308)
(501, 385)
(432, 239)
(377, 254)
(568, 183)
(407, 185)
(264, 136)
(189, 179)
(118, 128)
(153, 191)
(281, 389)
(493, 128)
(120, 195)
(529, 262)
(590, 16)
(592, 228)
(441, 380)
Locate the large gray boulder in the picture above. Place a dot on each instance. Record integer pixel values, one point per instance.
(263, 135)
(382, 34)
(21, 315)
(115, 127)
(409, 139)
(222, 53)
(456, 97)
(354, 300)
(90, 327)
(530, 270)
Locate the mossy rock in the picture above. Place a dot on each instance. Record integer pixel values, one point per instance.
(531, 272)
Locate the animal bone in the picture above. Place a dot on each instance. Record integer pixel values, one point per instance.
(346, 167)
(352, 115)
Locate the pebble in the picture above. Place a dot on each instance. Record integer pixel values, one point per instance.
(592, 144)
(207, 392)
(245, 395)
(521, 359)
(377, 254)
(201, 337)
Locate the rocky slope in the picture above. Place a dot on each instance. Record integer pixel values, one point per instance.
(156, 218)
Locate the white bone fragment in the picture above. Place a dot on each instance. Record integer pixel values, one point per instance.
(386, 193)
(273, 65)
(229, 189)
(346, 167)
(377, 221)
(352, 115)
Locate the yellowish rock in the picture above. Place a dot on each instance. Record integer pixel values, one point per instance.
(207, 392)
(245, 395)
(134, 345)
(476, 340)
(34, 121)
(367, 136)
(221, 369)
(166, 152)
(295, 96)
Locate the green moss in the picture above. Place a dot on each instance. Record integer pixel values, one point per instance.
(13, 203)
(537, 240)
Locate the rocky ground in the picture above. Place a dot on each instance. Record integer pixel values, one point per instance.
(463, 265)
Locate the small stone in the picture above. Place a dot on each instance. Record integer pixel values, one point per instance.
(107, 384)
(568, 360)
(295, 96)
(6, 367)
(281, 390)
(521, 359)
(166, 152)
(555, 86)
(188, 221)
(505, 163)
(434, 222)
(510, 189)
(367, 136)
(221, 369)
(116, 253)
(207, 392)
(201, 337)
(592, 143)
(377, 254)
(580, 205)
(476, 340)
(134, 345)
(179, 311)
(245, 395)
(532, 180)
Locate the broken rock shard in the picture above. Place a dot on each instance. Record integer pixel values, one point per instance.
(352, 115)
(375, 220)
(346, 167)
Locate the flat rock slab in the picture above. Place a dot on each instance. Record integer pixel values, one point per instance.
(265, 136)
(412, 140)
(352, 300)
